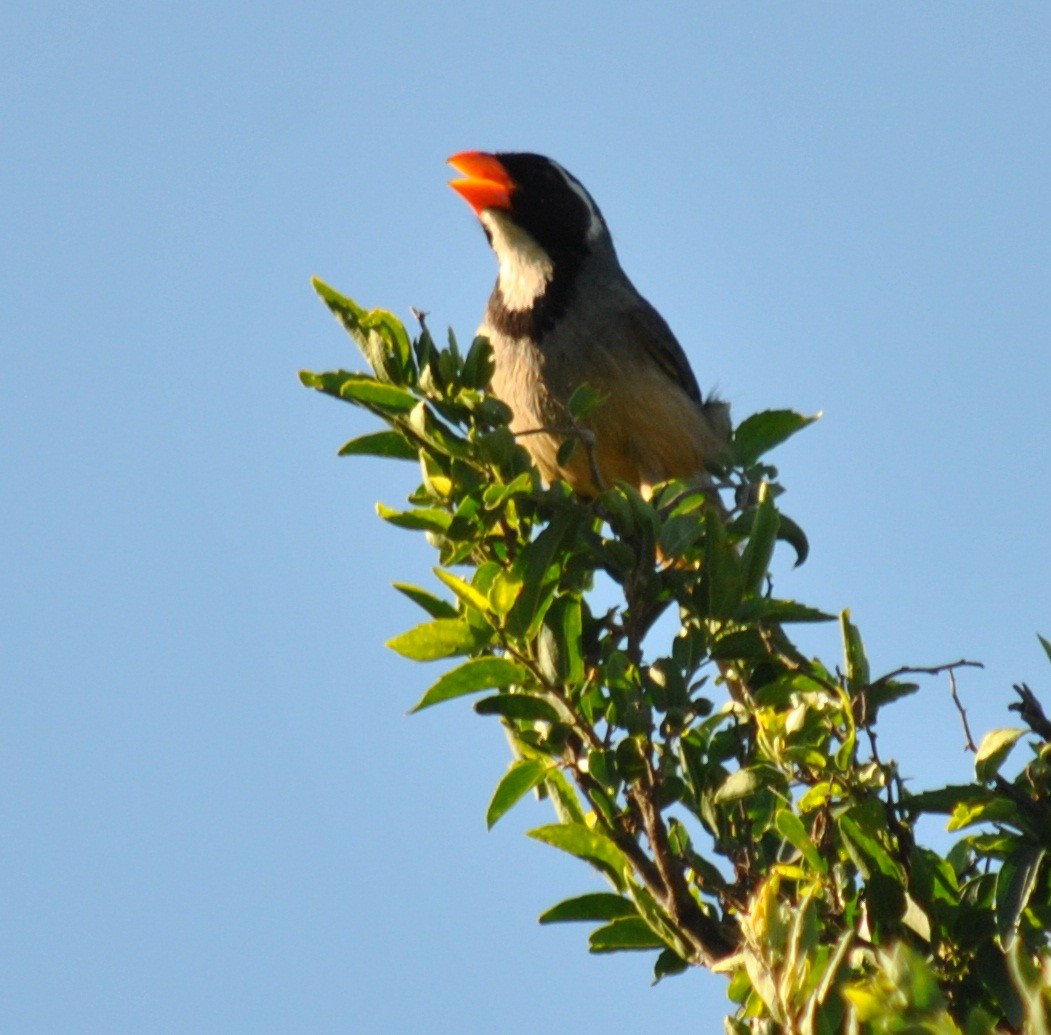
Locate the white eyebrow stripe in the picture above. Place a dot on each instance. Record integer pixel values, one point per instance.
(594, 219)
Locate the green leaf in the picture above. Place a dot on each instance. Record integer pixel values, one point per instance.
(885, 896)
(466, 592)
(533, 566)
(628, 934)
(379, 334)
(679, 533)
(585, 843)
(420, 519)
(993, 751)
(566, 450)
(559, 652)
(791, 828)
(669, 963)
(373, 394)
(495, 495)
(599, 905)
(434, 606)
(1014, 886)
(1046, 645)
(585, 401)
(471, 676)
(854, 654)
(820, 794)
(884, 691)
(858, 833)
(946, 799)
(759, 433)
(770, 609)
(521, 778)
(503, 592)
(478, 366)
(789, 532)
(442, 638)
(388, 444)
(440, 437)
(523, 707)
(994, 810)
(760, 546)
(564, 798)
(722, 569)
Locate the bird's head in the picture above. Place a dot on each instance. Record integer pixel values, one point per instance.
(539, 219)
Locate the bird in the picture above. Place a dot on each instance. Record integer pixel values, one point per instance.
(563, 314)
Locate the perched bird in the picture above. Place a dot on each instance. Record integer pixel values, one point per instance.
(563, 314)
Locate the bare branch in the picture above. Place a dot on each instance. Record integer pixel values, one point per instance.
(970, 745)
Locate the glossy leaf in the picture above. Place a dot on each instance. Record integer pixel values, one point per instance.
(599, 905)
(628, 934)
(585, 843)
(522, 707)
(559, 642)
(388, 444)
(521, 778)
(466, 592)
(791, 828)
(360, 388)
(420, 519)
(996, 745)
(472, 676)
(442, 638)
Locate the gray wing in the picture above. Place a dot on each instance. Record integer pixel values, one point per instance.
(654, 335)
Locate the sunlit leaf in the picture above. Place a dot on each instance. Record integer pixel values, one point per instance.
(791, 828)
(993, 751)
(388, 444)
(442, 638)
(854, 653)
(466, 592)
(471, 676)
(585, 843)
(521, 778)
(419, 519)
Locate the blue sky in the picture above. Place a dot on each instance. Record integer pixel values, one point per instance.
(216, 815)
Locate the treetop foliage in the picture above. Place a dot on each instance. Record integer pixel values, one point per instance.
(727, 788)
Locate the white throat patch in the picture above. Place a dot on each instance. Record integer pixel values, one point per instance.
(525, 268)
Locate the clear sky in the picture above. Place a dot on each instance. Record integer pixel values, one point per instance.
(215, 814)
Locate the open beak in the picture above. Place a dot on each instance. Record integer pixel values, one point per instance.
(486, 182)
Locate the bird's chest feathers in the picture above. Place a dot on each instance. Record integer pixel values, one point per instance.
(525, 268)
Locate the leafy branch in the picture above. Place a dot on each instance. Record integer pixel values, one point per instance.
(726, 786)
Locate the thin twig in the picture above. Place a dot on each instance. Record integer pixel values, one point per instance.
(970, 745)
(925, 670)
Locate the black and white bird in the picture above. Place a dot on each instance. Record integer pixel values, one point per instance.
(563, 313)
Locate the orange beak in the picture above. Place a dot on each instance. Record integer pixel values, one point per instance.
(486, 183)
